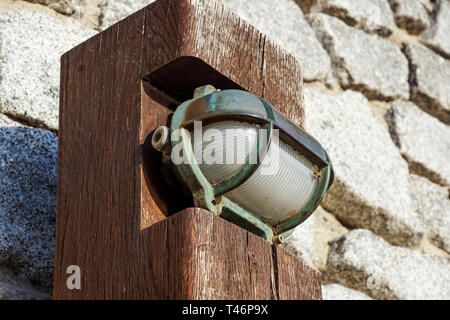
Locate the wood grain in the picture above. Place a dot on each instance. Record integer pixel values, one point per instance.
(197, 255)
(114, 213)
(197, 250)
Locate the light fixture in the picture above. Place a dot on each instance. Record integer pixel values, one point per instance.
(242, 159)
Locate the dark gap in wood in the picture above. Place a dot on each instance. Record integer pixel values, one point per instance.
(248, 255)
(179, 78)
(160, 96)
(275, 271)
(263, 40)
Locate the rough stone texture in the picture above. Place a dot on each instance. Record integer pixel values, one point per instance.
(379, 110)
(13, 287)
(429, 80)
(423, 141)
(326, 229)
(371, 187)
(337, 292)
(428, 5)
(115, 10)
(85, 11)
(67, 7)
(283, 22)
(410, 15)
(27, 202)
(426, 246)
(31, 44)
(365, 262)
(373, 16)
(363, 62)
(301, 241)
(434, 202)
(7, 122)
(437, 36)
(305, 5)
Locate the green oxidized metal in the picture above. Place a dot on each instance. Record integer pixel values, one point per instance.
(242, 105)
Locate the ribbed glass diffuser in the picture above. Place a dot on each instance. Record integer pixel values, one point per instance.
(277, 190)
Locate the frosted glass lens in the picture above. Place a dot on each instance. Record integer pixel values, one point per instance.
(277, 190)
(275, 193)
(225, 148)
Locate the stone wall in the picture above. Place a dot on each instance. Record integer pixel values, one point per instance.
(377, 94)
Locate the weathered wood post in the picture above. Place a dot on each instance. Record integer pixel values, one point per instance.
(131, 235)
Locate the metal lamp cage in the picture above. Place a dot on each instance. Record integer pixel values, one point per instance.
(262, 204)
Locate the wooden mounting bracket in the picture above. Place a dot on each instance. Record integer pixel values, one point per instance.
(116, 216)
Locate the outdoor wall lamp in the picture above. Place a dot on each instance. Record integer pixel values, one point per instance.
(242, 159)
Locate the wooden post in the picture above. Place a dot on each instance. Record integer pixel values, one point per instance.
(131, 234)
